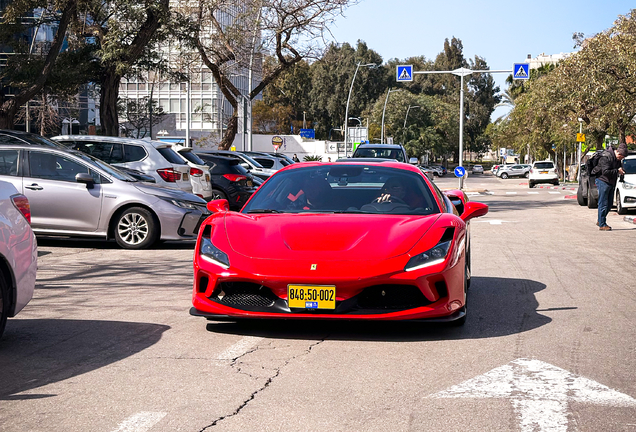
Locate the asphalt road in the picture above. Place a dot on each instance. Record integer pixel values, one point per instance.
(107, 343)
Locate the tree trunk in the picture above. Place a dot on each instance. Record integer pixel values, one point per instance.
(230, 132)
(7, 114)
(108, 94)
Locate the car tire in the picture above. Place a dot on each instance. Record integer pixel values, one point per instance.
(136, 228)
(218, 194)
(527, 175)
(619, 206)
(531, 184)
(4, 304)
(580, 198)
(504, 176)
(591, 201)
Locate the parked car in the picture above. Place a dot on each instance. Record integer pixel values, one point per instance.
(268, 161)
(154, 158)
(230, 180)
(440, 169)
(199, 172)
(382, 151)
(18, 248)
(384, 219)
(282, 156)
(626, 186)
(74, 194)
(246, 162)
(430, 174)
(543, 172)
(513, 171)
(137, 174)
(478, 169)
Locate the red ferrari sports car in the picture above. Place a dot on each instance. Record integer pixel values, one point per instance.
(349, 240)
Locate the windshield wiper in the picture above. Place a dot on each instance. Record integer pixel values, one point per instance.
(264, 211)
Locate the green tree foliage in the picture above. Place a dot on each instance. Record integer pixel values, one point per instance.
(331, 78)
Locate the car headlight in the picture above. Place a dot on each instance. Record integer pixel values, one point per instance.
(629, 185)
(431, 257)
(213, 254)
(183, 204)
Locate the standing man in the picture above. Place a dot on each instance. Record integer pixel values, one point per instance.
(295, 158)
(606, 172)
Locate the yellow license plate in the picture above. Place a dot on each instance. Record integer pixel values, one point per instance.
(543, 172)
(207, 178)
(311, 296)
(185, 176)
(249, 183)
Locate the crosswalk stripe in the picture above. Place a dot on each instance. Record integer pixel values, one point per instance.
(140, 422)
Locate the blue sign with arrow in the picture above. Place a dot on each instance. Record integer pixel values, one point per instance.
(521, 71)
(460, 172)
(404, 73)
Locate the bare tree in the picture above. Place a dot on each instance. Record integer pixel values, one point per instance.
(231, 38)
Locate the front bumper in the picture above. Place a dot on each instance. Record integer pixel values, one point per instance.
(435, 292)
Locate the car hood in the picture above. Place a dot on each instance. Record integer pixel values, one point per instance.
(630, 178)
(167, 192)
(325, 236)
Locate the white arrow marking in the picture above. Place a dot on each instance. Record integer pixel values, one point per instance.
(539, 393)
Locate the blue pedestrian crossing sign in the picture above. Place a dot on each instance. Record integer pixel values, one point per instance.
(460, 172)
(404, 73)
(521, 71)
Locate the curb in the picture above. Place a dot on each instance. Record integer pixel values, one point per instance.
(630, 219)
(570, 197)
(557, 187)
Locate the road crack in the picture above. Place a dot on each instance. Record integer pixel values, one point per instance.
(264, 386)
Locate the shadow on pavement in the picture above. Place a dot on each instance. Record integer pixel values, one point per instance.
(36, 352)
(496, 307)
(91, 243)
(510, 204)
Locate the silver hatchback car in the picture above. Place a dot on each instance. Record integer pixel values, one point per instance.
(74, 194)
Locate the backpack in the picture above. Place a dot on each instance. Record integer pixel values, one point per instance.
(593, 162)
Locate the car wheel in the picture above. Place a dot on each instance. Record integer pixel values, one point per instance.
(461, 321)
(504, 176)
(530, 184)
(136, 228)
(4, 304)
(592, 202)
(218, 194)
(619, 205)
(580, 198)
(526, 175)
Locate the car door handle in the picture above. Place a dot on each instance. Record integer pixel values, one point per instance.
(34, 186)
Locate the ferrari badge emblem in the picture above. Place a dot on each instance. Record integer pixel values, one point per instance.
(314, 266)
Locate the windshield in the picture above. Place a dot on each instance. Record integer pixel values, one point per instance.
(629, 165)
(119, 175)
(544, 165)
(252, 161)
(382, 153)
(344, 189)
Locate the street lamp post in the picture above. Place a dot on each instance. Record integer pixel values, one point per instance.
(384, 111)
(371, 65)
(406, 117)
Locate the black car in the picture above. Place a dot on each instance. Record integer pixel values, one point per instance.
(230, 180)
(382, 151)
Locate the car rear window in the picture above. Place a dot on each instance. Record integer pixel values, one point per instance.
(543, 165)
(134, 153)
(267, 163)
(192, 157)
(170, 155)
(381, 153)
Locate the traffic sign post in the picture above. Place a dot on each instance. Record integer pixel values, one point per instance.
(460, 172)
(580, 137)
(404, 73)
(521, 71)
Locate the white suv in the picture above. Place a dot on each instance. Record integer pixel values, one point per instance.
(626, 187)
(543, 172)
(154, 158)
(199, 172)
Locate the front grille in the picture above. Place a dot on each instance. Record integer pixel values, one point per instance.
(395, 297)
(243, 294)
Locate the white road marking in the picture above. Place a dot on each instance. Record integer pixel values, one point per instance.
(533, 193)
(239, 348)
(555, 193)
(472, 193)
(140, 422)
(539, 393)
(511, 193)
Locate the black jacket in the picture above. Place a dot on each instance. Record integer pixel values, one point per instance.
(607, 167)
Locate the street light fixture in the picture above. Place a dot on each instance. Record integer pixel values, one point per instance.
(346, 135)
(356, 118)
(384, 111)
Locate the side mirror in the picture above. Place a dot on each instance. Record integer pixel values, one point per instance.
(473, 209)
(218, 206)
(245, 165)
(85, 178)
(413, 161)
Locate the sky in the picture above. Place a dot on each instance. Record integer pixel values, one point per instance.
(502, 32)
